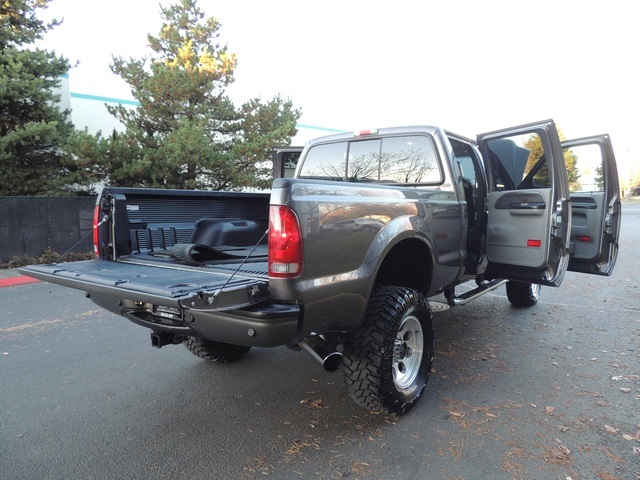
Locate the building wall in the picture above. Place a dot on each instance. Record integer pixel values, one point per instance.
(89, 111)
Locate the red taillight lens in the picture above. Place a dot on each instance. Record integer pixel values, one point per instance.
(285, 243)
(96, 219)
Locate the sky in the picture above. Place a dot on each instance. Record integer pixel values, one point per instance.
(467, 66)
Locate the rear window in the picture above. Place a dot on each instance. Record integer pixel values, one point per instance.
(394, 160)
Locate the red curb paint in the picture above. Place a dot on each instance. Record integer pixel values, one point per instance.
(10, 282)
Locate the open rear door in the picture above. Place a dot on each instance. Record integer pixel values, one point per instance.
(595, 204)
(528, 214)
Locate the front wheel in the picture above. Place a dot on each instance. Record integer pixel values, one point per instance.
(387, 361)
(215, 351)
(522, 294)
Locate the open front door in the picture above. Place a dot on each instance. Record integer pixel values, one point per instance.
(528, 214)
(595, 204)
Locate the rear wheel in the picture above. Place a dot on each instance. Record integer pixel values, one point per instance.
(388, 360)
(215, 351)
(522, 294)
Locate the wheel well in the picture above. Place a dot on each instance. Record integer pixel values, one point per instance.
(408, 264)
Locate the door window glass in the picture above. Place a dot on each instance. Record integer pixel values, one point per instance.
(518, 163)
(290, 162)
(584, 168)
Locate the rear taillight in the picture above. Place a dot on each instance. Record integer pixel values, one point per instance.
(96, 220)
(285, 243)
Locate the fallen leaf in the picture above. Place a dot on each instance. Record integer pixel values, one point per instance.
(628, 437)
(558, 455)
(549, 410)
(534, 405)
(610, 429)
(457, 414)
(625, 390)
(564, 429)
(636, 450)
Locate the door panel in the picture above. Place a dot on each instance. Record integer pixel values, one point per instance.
(586, 226)
(518, 232)
(595, 204)
(528, 214)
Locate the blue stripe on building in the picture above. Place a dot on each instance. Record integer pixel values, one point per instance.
(135, 103)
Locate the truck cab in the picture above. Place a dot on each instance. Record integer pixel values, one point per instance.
(536, 206)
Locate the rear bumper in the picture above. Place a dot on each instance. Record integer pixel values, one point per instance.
(263, 325)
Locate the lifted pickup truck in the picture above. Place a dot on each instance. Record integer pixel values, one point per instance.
(339, 260)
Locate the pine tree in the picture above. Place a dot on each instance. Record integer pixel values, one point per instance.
(33, 130)
(534, 144)
(187, 133)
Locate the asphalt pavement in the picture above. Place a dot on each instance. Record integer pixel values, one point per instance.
(548, 392)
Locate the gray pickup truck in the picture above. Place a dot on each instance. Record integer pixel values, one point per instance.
(359, 230)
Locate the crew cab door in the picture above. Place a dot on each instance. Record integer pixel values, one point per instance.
(528, 213)
(595, 204)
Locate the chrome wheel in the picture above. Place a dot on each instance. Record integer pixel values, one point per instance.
(535, 291)
(387, 361)
(407, 353)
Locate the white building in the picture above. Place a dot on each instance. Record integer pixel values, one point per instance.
(89, 111)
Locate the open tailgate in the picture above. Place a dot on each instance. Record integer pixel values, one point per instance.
(195, 289)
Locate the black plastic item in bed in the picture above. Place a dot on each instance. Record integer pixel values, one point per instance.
(215, 232)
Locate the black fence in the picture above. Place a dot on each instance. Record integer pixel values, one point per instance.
(30, 225)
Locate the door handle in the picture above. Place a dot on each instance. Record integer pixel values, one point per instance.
(527, 206)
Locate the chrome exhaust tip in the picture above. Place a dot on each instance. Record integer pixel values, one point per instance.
(323, 353)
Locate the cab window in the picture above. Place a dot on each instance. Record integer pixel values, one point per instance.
(325, 162)
(408, 159)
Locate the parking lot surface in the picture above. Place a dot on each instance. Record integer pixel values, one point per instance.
(548, 392)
